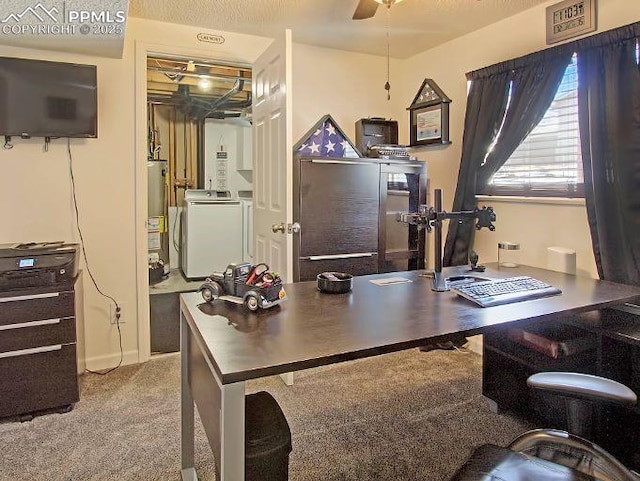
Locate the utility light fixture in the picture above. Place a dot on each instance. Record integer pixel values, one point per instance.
(204, 83)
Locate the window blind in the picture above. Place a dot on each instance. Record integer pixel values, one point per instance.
(548, 162)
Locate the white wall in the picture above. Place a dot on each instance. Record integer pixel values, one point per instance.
(535, 225)
(111, 185)
(35, 199)
(349, 86)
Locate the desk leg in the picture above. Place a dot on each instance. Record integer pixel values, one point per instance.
(493, 406)
(186, 402)
(221, 409)
(232, 432)
(287, 378)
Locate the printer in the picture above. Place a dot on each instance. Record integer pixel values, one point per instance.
(37, 264)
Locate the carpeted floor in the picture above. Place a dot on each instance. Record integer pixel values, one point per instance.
(404, 416)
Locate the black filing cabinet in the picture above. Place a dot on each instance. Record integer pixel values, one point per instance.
(337, 202)
(38, 363)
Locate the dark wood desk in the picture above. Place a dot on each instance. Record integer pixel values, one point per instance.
(223, 345)
(603, 342)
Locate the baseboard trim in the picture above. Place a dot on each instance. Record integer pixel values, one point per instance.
(100, 363)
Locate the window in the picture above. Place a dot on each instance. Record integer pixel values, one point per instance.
(548, 162)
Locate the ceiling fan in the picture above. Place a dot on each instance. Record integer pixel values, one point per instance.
(367, 8)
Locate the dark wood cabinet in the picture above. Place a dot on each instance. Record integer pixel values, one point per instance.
(606, 343)
(347, 209)
(507, 364)
(403, 188)
(38, 360)
(339, 205)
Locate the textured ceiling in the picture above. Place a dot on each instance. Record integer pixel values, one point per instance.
(415, 25)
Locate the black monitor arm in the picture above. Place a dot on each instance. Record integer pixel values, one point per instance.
(432, 217)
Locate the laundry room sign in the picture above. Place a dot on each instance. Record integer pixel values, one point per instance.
(210, 38)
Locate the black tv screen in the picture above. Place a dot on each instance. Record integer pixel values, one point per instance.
(47, 99)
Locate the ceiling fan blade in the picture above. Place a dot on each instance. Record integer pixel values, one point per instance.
(365, 9)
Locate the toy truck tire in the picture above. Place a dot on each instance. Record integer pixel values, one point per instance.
(252, 302)
(210, 291)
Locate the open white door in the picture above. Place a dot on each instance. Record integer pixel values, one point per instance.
(273, 157)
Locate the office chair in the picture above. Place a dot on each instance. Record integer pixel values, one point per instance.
(554, 455)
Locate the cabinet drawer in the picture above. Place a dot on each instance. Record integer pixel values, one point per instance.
(350, 192)
(26, 335)
(356, 266)
(33, 381)
(36, 307)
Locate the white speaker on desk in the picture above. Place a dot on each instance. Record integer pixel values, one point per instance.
(561, 259)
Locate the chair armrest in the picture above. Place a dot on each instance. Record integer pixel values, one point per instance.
(584, 386)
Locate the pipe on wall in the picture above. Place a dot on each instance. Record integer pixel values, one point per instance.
(200, 154)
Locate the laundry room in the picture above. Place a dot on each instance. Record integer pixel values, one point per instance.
(200, 180)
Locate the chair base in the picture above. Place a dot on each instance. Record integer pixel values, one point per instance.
(546, 454)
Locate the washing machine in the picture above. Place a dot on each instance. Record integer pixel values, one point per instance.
(212, 232)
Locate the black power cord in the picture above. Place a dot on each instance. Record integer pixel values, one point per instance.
(86, 261)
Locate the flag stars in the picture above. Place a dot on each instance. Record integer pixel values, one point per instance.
(330, 146)
(314, 148)
(326, 140)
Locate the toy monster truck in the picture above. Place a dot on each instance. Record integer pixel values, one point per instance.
(253, 286)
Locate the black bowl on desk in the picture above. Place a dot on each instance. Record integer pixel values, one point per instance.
(334, 282)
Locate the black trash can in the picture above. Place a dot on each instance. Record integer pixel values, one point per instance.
(267, 439)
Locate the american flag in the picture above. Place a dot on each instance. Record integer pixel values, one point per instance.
(327, 141)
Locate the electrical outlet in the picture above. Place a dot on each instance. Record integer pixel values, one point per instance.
(114, 313)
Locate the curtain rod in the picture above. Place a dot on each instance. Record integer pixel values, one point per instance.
(619, 34)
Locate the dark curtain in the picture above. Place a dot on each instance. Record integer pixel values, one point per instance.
(609, 110)
(486, 104)
(533, 88)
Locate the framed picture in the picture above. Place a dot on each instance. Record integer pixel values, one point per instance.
(429, 124)
(429, 116)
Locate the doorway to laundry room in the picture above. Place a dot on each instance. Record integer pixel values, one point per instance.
(200, 180)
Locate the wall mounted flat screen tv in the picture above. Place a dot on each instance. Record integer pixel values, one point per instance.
(47, 99)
